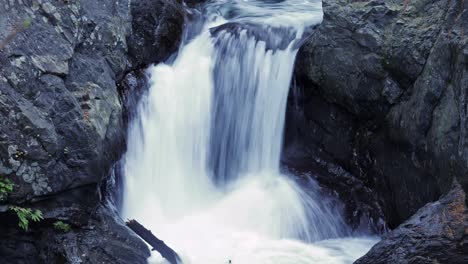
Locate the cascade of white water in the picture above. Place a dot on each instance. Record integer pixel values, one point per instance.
(202, 167)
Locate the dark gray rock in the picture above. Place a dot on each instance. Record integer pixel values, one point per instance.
(383, 96)
(362, 46)
(194, 3)
(132, 88)
(317, 141)
(62, 119)
(157, 27)
(97, 234)
(61, 122)
(437, 233)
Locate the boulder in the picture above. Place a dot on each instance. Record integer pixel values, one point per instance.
(96, 235)
(437, 233)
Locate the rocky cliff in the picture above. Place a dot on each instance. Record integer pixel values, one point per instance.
(378, 114)
(62, 118)
(381, 95)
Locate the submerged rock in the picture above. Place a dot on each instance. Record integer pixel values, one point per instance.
(437, 233)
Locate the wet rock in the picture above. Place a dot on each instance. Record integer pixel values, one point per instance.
(193, 3)
(132, 88)
(274, 38)
(157, 27)
(317, 140)
(382, 95)
(437, 233)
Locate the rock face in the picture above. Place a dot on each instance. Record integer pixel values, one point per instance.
(437, 233)
(97, 235)
(381, 98)
(62, 118)
(155, 35)
(61, 124)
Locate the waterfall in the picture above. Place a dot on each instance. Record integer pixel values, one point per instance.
(202, 166)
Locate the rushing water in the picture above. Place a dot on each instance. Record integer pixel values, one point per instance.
(202, 167)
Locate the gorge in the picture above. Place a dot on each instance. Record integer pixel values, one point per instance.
(173, 113)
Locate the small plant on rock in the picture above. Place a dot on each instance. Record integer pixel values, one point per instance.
(25, 215)
(6, 187)
(61, 226)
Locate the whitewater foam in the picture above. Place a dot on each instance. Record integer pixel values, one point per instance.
(202, 166)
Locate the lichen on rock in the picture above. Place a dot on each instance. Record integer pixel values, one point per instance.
(61, 118)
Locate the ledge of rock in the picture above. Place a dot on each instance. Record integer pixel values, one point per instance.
(96, 234)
